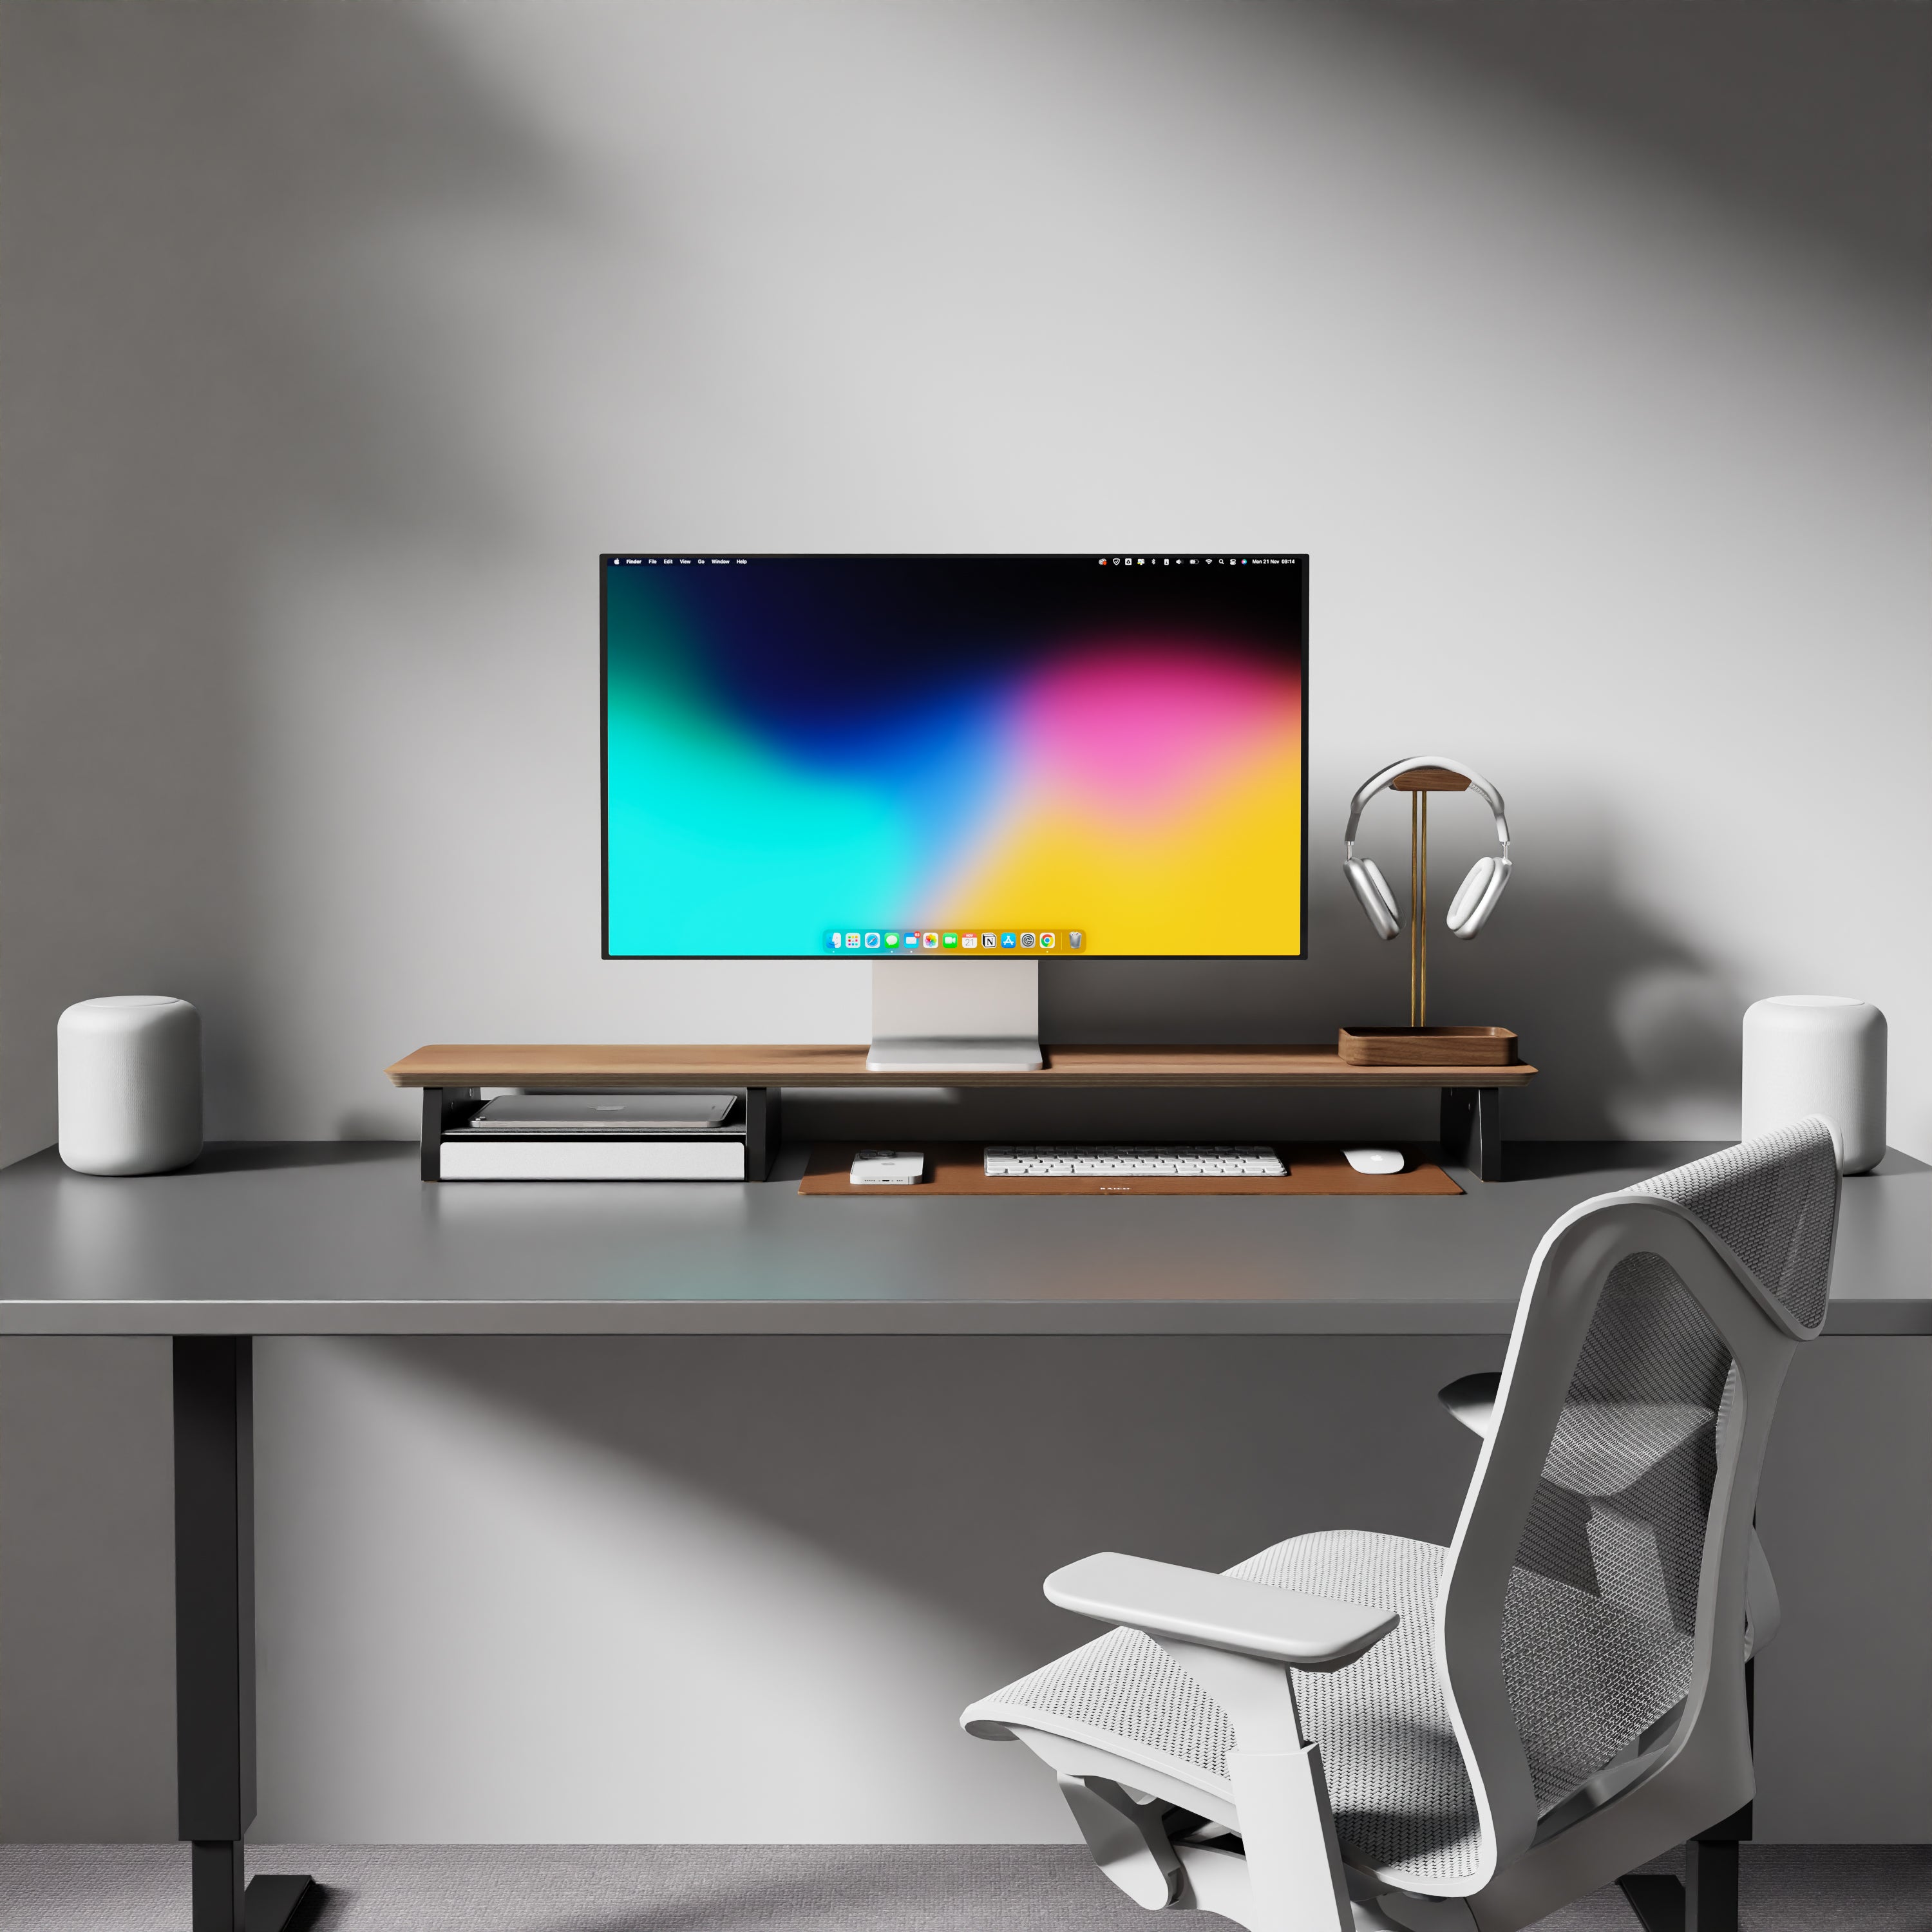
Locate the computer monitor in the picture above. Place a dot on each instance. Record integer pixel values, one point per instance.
(947, 760)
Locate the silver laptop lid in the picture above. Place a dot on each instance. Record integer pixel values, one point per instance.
(606, 1110)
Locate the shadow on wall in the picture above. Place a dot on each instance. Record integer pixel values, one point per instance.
(196, 381)
(1634, 1034)
(1810, 121)
(962, 1474)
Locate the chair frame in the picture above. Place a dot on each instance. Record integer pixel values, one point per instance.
(1692, 1784)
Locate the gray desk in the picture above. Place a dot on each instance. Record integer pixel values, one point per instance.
(342, 1239)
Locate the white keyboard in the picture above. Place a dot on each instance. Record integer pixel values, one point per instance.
(1100, 1161)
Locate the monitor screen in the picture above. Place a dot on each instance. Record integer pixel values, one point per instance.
(827, 757)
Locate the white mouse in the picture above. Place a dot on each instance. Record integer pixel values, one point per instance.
(1373, 1160)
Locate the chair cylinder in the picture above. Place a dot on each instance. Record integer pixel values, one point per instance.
(129, 1084)
(1818, 1053)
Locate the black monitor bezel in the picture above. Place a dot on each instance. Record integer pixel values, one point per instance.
(605, 558)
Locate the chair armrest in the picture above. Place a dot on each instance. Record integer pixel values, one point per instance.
(1219, 1612)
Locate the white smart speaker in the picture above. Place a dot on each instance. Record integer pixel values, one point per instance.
(1817, 1053)
(129, 1085)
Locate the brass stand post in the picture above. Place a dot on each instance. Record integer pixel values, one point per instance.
(1414, 924)
(1422, 924)
(1418, 908)
(1419, 784)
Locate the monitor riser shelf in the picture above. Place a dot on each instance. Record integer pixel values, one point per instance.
(450, 1078)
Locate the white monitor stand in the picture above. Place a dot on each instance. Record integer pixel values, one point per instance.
(954, 1016)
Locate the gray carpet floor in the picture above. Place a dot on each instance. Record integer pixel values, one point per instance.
(809, 1889)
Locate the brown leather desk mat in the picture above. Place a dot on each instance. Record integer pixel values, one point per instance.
(954, 1167)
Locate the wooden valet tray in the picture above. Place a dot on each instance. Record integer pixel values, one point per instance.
(1426, 1046)
(955, 1167)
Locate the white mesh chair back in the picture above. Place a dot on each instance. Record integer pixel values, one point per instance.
(1606, 1516)
(1774, 1202)
(1563, 1697)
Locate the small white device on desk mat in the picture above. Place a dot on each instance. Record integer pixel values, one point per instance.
(876, 1168)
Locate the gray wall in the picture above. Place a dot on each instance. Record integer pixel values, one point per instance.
(1584, 349)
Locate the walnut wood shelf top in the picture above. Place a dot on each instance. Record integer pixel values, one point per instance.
(590, 1067)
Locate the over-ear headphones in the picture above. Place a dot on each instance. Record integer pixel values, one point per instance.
(1475, 898)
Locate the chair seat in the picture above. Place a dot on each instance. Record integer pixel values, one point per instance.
(1403, 1807)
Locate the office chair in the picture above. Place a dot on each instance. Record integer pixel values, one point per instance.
(1464, 1739)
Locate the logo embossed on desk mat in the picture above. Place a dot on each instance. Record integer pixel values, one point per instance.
(956, 1167)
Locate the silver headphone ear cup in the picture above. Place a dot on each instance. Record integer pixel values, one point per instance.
(1476, 897)
(1468, 894)
(1372, 895)
(1384, 893)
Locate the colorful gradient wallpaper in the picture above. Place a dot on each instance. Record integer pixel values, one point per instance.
(816, 755)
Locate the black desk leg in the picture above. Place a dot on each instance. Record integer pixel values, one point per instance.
(1707, 1899)
(1472, 1129)
(214, 1633)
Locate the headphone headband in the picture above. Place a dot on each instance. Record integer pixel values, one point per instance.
(1387, 776)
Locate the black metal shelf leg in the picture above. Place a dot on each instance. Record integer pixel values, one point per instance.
(1472, 1130)
(215, 1634)
(764, 1130)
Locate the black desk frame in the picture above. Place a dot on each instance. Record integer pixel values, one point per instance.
(214, 1675)
(215, 1635)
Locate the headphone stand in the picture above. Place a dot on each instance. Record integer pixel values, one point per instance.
(1419, 784)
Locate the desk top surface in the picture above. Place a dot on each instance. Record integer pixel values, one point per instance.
(342, 1238)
